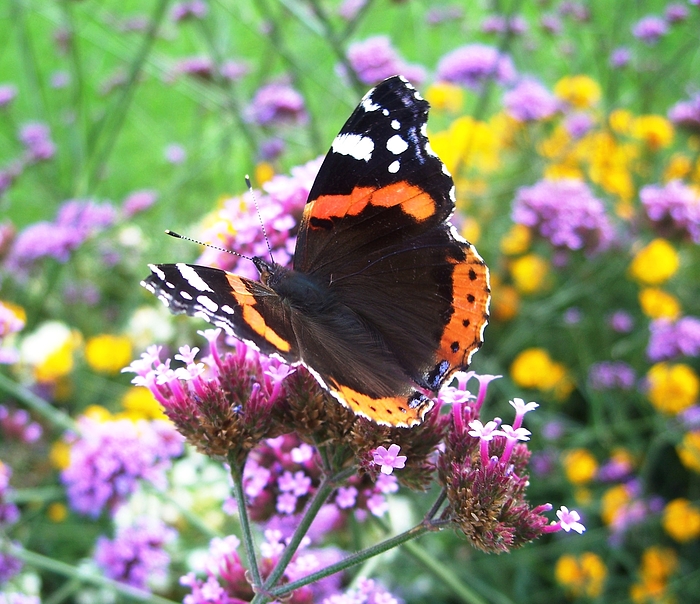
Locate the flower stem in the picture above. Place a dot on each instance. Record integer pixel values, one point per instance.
(353, 559)
(239, 494)
(81, 574)
(37, 404)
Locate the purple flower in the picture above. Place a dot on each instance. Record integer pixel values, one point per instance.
(36, 138)
(276, 104)
(494, 24)
(193, 9)
(375, 59)
(611, 374)
(9, 512)
(675, 13)
(366, 591)
(349, 9)
(138, 201)
(175, 154)
(60, 79)
(620, 57)
(389, 458)
(569, 520)
(530, 101)
(201, 68)
(17, 424)
(234, 70)
(686, 114)
(474, 64)
(10, 567)
(108, 459)
(578, 124)
(551, 24)
(7, 94)
(650, 29)
(673, 209)
(671, 339)
(442, 14)
(136, 556)
(566, 213)
(621, 321)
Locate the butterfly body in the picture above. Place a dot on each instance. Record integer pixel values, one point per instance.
(385, 300)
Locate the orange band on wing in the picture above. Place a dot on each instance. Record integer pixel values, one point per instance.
(413, 201)
(391, 411)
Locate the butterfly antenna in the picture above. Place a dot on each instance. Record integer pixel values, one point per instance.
(257, 209)
(214, 247)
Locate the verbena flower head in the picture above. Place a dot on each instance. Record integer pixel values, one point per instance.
(193, 9)
(108, 459)
(138, 201)
(8, 92)
(17, 425)
(474, 64)
(530, 101)
(686, 114)
(650, 29)
(566, 213)
(483, 470)
(612, 374)
(36, 138)
(137, 555)
(366, 591)
(673, 209)
(672, 339)
(277, 104)
(620, 57)
(375, 59)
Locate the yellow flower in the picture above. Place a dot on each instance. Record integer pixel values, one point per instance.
(614, 502)
(581, 575)
(49, 351)
(689, 451)
(529, 273)
(443, 96)
(467, 143)
(107, 353)
(657, 304)
(263, 172)
(471, 230)
(563, 171)
(16, 310)
(140, 404)
(505, 303)
(621, 121)
(580, 466)
(659, 563)
(679, 166)
(672, 388)
(59, 455)
(655, 263)
(516, 241)
(98, 413)
(533, 368)
(681, 520)
(655, 131)
(580, 91)
(57, 512)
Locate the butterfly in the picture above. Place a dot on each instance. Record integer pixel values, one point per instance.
(385, 300)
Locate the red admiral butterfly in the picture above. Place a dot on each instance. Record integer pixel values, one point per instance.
(385, 300)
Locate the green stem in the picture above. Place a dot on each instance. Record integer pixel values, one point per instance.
(37, 404)
(67, 570)
(247, 533)
(353, 559)
(320, 496)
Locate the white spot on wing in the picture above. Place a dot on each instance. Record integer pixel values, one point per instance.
(190, 275)
(396, 144)
(186, 295)
(394, 166)
(385, 112)
(453, 194)
(367, 103)
(395, 124)
(354, 145)
(227, 309)
(159, 273)
(208, 303)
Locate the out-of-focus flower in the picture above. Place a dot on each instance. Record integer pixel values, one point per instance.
(9, 512)
(681, 520)
(349, 9)
(578, 124)
(580, 466)
(655, 263)
(530, 101)
(443, 14)
(12, 320)
(551, 24)
(609, 375)
(655, 131)
(658, 304)
(689, 448)
(581, 575)
(675, 13)
(175, 154)
(137, 554)
(620, 57)
(671, 339)
(686, 114)
(138, 201)
(7, 94)
(475, 64)
(108, 353)
(579, 91)
(277, 104)
(49, 350)
(443, 96)
(650, 29)
(566, 213)
(139, 403)
(657, 565)
(621, 321)
(529, 273)
(673, 209)
(191, 9)
(109, 458)
(534, 368)
(366, 591)
(17, 424)
(672, 387)
(375, 59)
(36, 138)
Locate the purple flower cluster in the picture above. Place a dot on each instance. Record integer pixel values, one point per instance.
(108, 460)
(686, 114)
(530, 101)
(499, 24)
(474, 64)
(650, 29)
(36, 138)
(220, 403)
(137, 554)
(76, 222)
(611, 374)
(566, 213)
(18, 425)
(277, 104)
(483, 469)
(375, 59)
(673, 209)
(226, 579)
(138, 201)
(191, 9)
(367, 591)
(237, 223)
(671, 339)
(203, 68)
(621, 321)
